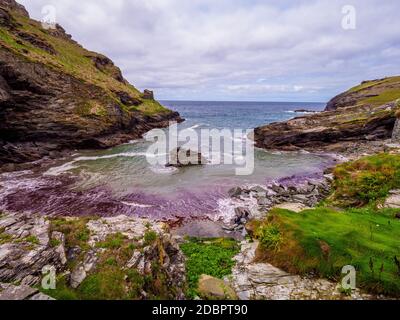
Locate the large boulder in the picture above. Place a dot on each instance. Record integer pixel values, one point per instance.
(181, 157)
(211, 288)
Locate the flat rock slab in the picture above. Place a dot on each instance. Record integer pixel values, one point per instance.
(263, 281)
(295, 207)
(11, 292)
(393, 201)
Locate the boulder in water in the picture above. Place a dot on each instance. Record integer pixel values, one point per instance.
(181, 157)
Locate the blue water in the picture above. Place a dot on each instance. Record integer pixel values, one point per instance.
(238, 115)
(121, 180)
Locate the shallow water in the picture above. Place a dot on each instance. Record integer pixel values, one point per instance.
(121, 181)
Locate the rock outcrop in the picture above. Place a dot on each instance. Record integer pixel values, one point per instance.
(79, 248)
(295, 193)
(262, 281)
(357, 121)
(55, 95)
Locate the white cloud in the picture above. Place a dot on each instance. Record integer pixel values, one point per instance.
(204, 49)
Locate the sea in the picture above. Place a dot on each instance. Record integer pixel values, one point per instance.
(121, 180)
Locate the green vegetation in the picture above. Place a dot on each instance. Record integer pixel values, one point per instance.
(269, 236)
(72, 59)
(114, 241)
(212, 257)
(4, 237)
(367, 180)
(111, 280)
(150, 237)
(32, 239)
(75, 230)
(322, 241)
(383, 98)
(384, 91)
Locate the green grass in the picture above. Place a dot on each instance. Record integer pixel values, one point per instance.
(322, 241)
(387, 90)
(366, 180)
(150, 237)
(114, 241)
(383, 98)
(212, 257)
(4, 237)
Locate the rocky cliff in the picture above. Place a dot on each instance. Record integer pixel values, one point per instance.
(355, 121)
(55, 95)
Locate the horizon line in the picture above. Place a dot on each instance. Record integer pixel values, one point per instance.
(250, 101)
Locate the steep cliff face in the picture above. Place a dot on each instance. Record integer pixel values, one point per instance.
(55, 95)
(363, 116)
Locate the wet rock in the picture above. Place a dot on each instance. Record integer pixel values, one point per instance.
(264, 202)
(242, 212)
(185, 158)
(235, 192)
(211, 288)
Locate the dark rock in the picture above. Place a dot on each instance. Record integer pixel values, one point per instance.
(185, 158)
(127, 100)
(397, 216)
(14, 6)
(36, 41)
(235, 192)
(46, 110)
(148, 95)
(264, 202)
(242, 212)
(305, 111)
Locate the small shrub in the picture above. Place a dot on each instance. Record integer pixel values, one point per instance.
(150, 237)
(269, 236)
(114, 241)
(366, 180)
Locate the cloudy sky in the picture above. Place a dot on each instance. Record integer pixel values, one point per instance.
(261, 50)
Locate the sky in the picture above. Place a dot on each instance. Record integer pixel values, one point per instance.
(244, 50)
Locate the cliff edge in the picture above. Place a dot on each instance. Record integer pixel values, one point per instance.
(357, 121)
(56, 96)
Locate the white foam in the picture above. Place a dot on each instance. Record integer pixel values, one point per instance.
(56, 171)
(164, 170)
(135, 204)
(226, 208)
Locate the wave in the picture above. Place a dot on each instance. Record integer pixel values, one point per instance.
(56, 171)
(137, 205)
(164, 170)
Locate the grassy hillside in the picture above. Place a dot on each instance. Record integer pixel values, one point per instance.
(323, 240)
(387, 90)
(26, 38)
